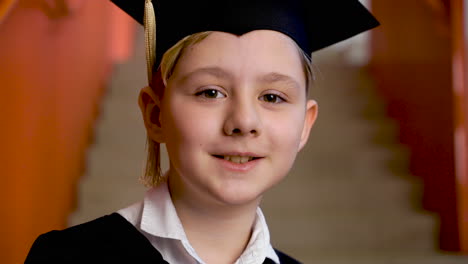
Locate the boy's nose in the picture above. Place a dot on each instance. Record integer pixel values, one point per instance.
(242, 120)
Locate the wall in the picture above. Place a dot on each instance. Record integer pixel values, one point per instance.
(412, 65)
(459, 10)
(55, 59)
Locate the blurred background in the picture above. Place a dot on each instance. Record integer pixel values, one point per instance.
(383, 178)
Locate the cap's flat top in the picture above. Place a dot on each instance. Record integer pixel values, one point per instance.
(312, 24)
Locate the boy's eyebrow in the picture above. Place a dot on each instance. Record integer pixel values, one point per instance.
(220, 73)
(273, 77)
(214, 71)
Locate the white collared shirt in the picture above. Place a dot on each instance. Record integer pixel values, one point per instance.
(156, 218)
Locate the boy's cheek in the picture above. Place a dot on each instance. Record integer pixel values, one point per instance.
(191, 131)
(286, 128)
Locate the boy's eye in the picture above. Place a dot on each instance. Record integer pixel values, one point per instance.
(271, 98)
(210, 93)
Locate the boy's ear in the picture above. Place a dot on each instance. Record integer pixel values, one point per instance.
(310, 117)
(150, 107)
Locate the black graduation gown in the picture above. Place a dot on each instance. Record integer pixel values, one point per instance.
(109, 239)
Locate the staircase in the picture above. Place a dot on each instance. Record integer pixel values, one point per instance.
(349, 198)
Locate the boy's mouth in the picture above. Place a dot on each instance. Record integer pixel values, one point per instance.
(236, 158)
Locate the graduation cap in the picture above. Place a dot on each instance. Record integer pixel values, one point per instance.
(313, 24)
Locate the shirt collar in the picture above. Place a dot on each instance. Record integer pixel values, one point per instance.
(159, 218)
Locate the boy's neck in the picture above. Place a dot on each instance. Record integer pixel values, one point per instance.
(218, 233)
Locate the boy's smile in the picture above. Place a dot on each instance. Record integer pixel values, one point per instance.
(233, 117)
(238, 157)
(239, 161)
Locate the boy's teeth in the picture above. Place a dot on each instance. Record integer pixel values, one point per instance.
(238, 159)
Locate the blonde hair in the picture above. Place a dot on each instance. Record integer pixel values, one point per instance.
(153, 175)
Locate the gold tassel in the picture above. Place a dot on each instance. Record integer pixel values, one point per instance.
(150, 37)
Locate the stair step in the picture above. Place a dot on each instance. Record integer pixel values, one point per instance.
(372, 257)
(346, 231)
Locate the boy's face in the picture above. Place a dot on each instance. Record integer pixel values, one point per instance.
(232, 96)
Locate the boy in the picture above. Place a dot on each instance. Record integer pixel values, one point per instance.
(228, 96)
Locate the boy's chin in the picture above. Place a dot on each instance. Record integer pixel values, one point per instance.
(249, 192)
(241, 197)
(241, 200)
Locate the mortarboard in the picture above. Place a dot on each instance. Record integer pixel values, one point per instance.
(313, 24)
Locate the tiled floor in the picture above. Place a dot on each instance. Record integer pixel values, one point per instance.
(348, 199)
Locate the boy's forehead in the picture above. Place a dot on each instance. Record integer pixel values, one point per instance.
(229, 57)
(261, 41)
(312, 24)
(257, 51)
